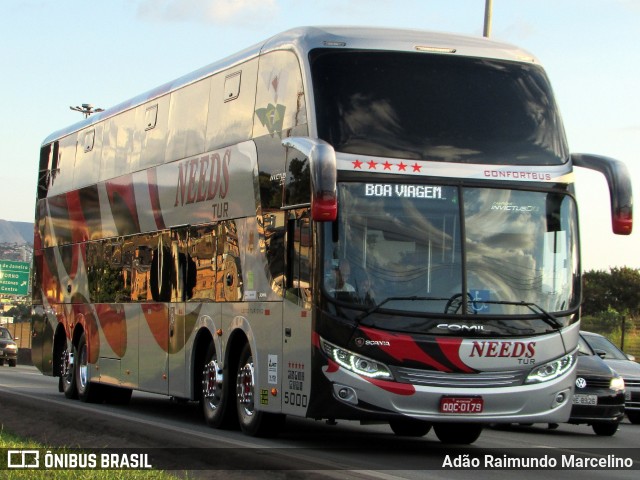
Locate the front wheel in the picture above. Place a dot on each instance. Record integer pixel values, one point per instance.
(458, 433)
(253, 422)
(605, 429)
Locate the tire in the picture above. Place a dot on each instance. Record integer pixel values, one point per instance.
(1, 363)
(214, 395)
(88, 391)
(13, 363)
(68, 372)
(634, 417)
(409, 428)
(458, 433)
(605, 429)
(253, 422)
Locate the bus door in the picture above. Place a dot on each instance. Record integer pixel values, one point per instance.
(297, 312)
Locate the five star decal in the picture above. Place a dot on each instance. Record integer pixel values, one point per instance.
(386, 165)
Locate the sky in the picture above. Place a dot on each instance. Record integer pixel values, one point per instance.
(60, 53)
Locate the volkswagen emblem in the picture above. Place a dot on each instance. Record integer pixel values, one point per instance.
(581, 382)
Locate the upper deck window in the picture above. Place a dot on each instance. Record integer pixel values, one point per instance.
(436, 107)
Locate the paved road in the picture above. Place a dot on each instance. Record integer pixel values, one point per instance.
(177, 439)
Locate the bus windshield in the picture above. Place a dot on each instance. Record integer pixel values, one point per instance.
(419, 248)
(436, 107)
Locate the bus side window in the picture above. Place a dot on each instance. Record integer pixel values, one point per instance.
(202, 250)
(44, 173)
(109, 276)
(299, 254)
(274, 235)
(183, 279)
(160, 275)
(230, 285)
(141, 268)
(95, 267)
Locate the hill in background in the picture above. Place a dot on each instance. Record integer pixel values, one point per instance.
(16, 232)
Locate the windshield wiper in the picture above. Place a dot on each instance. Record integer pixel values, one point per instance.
(377, 307)
(545, 316)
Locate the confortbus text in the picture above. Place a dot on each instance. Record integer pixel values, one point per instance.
(544, 461)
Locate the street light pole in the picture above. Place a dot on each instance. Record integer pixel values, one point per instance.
(488, 7)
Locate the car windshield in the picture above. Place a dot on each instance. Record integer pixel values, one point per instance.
(4, 334)
(602, 344)
(443, 108)
(427, 248)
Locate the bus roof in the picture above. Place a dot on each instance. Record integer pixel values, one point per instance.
(304, 39)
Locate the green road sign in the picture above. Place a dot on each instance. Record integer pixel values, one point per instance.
(14, 277)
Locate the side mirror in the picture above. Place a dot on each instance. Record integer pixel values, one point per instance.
(322, 163)
(630, 357)
(619, 182)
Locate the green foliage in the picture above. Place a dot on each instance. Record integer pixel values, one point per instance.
(607, 322)
(618, 289)
(611, 301)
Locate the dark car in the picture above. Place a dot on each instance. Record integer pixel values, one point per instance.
(8, 348)
(625, 366)
(598, 399)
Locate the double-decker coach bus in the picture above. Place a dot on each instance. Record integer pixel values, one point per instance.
(364, 224)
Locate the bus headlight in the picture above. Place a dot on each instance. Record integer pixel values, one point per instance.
(356, 363)
(551, 370)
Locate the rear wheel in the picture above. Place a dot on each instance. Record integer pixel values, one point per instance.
(87, 391)
(13, 363)
(214, 397)
(458, 433)
(68, 372)
(253, 422)
(409, 428)
(605, 429)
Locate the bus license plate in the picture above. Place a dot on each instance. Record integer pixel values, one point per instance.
(582, 399)
(461, 405)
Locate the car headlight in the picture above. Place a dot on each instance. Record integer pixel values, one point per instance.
(356, 363)
(11, 347)
(617, 383)
(551, 370)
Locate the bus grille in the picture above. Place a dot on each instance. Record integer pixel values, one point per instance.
(429, 378)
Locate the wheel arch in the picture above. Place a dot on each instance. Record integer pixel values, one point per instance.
(201, 343)
(60, 343)
(240, 335)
